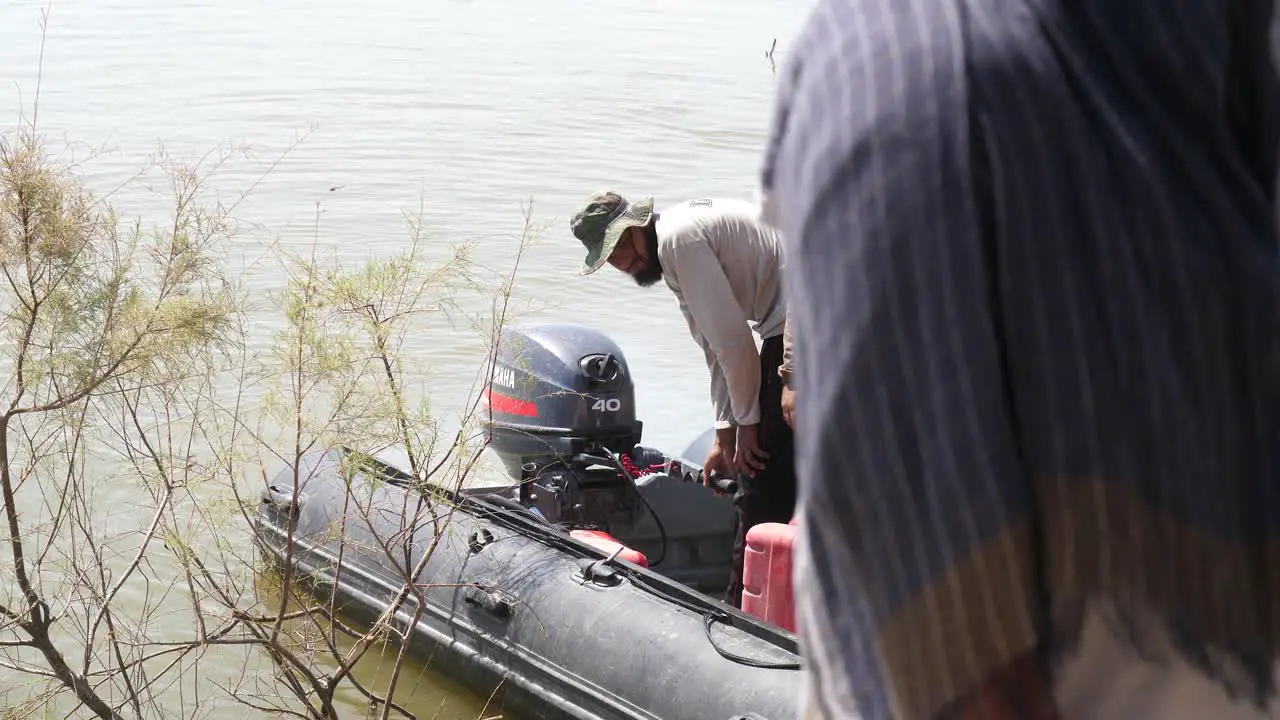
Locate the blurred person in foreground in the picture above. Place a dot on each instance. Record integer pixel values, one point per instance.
(1032, 267)
(724, 267)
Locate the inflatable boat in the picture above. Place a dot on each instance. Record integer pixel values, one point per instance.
(582, 582)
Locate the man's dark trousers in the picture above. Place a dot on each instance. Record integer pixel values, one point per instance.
(771, 495)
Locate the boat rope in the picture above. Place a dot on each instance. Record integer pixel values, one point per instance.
(709, 619)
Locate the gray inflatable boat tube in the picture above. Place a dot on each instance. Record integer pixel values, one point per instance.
(562, 629)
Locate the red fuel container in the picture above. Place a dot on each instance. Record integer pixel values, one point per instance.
(766, 574)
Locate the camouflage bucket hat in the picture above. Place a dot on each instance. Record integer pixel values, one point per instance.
(601, 222)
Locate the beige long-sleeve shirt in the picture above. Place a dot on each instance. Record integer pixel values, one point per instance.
(787, 368)
(768, 215)
(725, 267)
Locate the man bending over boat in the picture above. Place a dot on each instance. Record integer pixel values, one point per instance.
(725, 267)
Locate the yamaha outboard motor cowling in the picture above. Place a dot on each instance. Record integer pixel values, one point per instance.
(556, 391)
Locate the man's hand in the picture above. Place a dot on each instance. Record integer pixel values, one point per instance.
(749, 458)
(720, 459)
(789, 406)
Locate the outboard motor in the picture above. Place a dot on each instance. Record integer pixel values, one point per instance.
(560, 413)
(560, 406)
(557, 390)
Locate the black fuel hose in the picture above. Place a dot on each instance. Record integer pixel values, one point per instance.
(662, 530)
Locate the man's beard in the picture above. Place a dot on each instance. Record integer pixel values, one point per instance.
(652, 270)
(649, 274)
